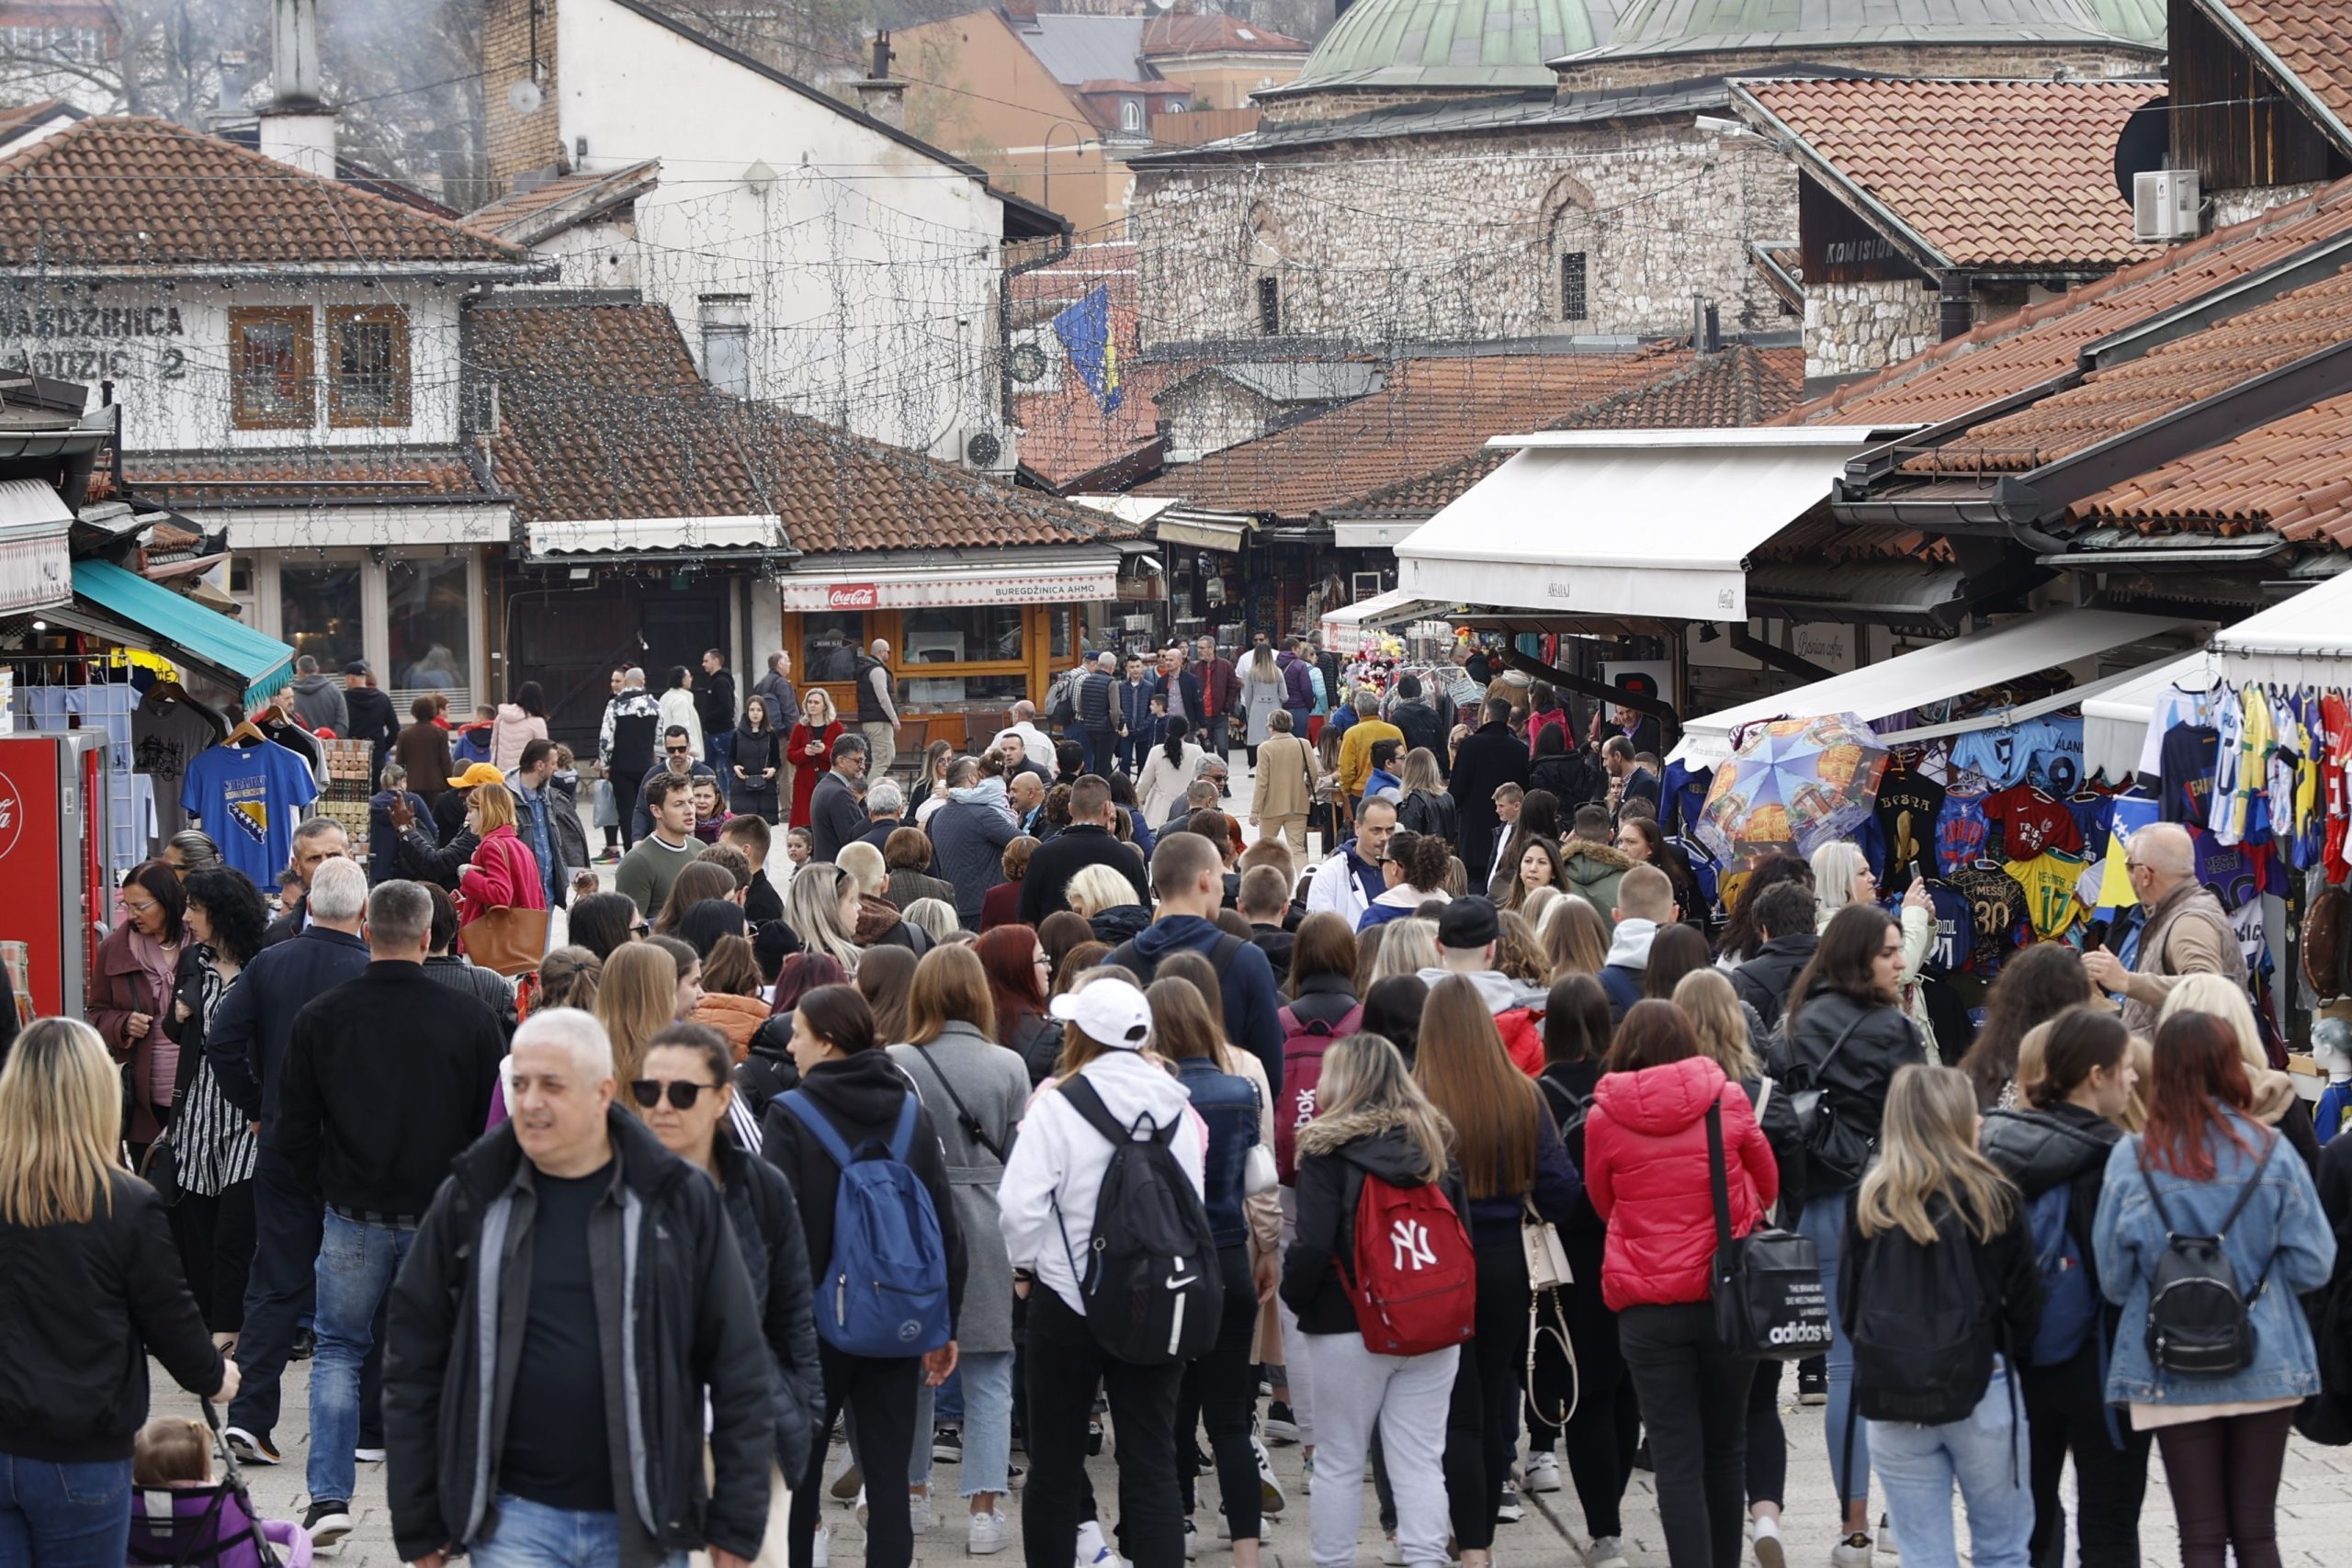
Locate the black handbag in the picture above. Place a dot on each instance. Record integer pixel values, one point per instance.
(1766, 1285)
(161, 1168)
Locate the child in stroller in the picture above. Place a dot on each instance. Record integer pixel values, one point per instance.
(181, 1515)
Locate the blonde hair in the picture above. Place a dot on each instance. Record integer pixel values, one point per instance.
(636, 998)
(1365, 1073)
(2225, 999)
(1927, 1150)
(1407, 947)
(818, 694)
(61, 1126)
(1835, 868)
(812, 905)
(1101, 887)
(865, 865)
(1575, 938)
(1707, 1000)
(493, 807)
(1538, 903)
(170, 1448)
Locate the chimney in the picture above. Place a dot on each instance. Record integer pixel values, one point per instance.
(1706, 326)
(1955, 311)
(297, 128)
(877, 95)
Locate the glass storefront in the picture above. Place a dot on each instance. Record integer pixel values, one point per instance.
(320, 612)
(831, 642)
(426, 623)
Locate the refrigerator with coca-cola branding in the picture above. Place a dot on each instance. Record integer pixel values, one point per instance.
(54, 895)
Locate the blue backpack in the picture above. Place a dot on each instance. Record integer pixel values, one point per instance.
(2069, 1306)
(884, 1292)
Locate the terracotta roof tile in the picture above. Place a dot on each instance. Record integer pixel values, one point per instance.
(1741, 386)
(193, 480)
(130, 192)
(1986, 173)
(2044, 341)
(496, 217)
(1213, 33)
(602, 416)
(2308, 38)
(2293, 475)
(2171, 375)
(1430, 413)
(1067, 440)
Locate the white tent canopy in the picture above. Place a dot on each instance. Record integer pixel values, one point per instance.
(1971, 662)
(1657, 523)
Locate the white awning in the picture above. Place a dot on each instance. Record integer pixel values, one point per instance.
(1654, 522)
(457, 520)
(1227, 537)
(1971, 662)
(1381, 609)
(32, 506)
(907, 588)
(35, 523)
(1373, 536)
(636, 536)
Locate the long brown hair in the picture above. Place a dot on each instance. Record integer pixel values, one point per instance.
(1324, 946)
(1460, 1065)
(950, 987)
(2198, 1071)
(883, 978)
(2035, 987)
(1574, 938)
(1009, 953)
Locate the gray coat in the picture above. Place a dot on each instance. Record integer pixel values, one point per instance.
(1261, 698)
(993, 1084)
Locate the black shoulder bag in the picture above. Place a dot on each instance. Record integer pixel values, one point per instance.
(1766, 1285)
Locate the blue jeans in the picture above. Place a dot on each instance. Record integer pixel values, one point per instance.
(987, 1421)
(357, 1263)
(64, 1516)
(719, 752)
(532, 1535)
(1985, 1454)
(1824, 1224)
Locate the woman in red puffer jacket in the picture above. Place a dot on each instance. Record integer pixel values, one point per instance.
(1646, 1170)
(503, 871)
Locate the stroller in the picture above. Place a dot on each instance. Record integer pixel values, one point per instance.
(212, 1527)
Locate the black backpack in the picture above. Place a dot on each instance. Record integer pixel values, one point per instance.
(1923, 1342)
(2199, 1323)
(1150, 1283)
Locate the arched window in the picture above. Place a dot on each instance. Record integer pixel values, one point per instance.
(1130, 114)
(1571, 243)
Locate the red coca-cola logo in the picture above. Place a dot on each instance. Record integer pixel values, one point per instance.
(852, 596)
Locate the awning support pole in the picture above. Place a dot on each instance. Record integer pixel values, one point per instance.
(1586, 686)
(1745, 641)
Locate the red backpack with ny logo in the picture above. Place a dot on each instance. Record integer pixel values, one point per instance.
(1415, 1283)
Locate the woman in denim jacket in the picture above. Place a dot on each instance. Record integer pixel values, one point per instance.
(2224, 1439)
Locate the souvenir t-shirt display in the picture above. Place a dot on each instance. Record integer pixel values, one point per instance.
(165, 737)
(1997, 906)
(249, 798)
(2031, 822)
(1961, 830)
(2190, 755)
(2050, 880)
(1908, 806)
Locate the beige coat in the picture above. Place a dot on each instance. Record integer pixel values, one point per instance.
(1285, 778)
(2186, 933)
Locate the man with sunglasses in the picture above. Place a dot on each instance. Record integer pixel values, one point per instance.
(677, 761)
(388, 1079)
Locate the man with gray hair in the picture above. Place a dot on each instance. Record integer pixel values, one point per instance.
(877, 707)
(246, 1041)
(625, 747)
(388, 1079)
(572, 1304)
(2186, 931)
(317, 839)
(318, 699)
(885, 805)
(1033, 743)
(1095, 708)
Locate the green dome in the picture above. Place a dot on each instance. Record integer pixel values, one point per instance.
(1653, 27)
(1491, 44)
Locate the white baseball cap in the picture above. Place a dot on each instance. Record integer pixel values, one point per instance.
(1108, 1012)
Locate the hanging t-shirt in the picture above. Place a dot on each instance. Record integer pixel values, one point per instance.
(2335, 785)
(2001, 755)
(2032, 822)
(249, 798)
(2092, 810)
(1955, 930)
(2172, 707)
(2053, 753)
(2192, 754)
(2050, 880)
(1960, 831)
(165, 737)
(1909, 807)
(1997, 906)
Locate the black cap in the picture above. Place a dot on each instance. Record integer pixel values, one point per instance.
(1468, 922)
(356, 667)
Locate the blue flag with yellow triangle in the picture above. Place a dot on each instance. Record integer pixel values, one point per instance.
(1084, 328)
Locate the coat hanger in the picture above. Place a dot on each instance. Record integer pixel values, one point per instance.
(244, 731)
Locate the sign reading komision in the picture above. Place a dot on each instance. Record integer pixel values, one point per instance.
(852, 596)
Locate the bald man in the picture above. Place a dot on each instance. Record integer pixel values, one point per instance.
(2187, 930)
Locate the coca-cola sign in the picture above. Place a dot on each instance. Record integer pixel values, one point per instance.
(852, 596)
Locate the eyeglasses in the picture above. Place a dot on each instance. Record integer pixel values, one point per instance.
(1042, 961)
(647, 1093)
(678, 750)
(641, 929)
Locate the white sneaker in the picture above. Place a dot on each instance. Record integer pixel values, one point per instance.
(1886, 1546)
(987, 1533)
(368, 1456)
(1271, 1499)
(1852, 1551)
(1764, 1534)
(1509, 1511)
(1543, 1471)
(917, 1511)
(1392, 1553)
(1093, 1551)
(1191, 1539)
(1606, 1551)
(821, 1553)
(1306, 1476)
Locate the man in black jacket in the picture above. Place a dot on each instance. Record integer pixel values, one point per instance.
(596, 1268)
(1489, 757)
(1087, 841)
(1097, 716)
(445, 965)
(1417, 720)
(714, 707)
(1786, 916)
(246, 1044)
(371, 714)
(836, 816)
(387, 1079)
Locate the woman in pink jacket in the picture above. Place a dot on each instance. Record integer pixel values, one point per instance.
(504, 874)
(518, 724)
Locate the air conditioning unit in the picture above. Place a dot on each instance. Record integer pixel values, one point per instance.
(2165, 206)
(990, 451)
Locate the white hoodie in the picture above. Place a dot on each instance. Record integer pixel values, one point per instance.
(1060, 1161)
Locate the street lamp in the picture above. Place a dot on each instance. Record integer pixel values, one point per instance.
(1078, 145)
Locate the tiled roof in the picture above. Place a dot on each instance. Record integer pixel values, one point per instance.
(196, 480)
(2041, 342)
(1213, 33)
(2307, 38)
(602, 416)
(2171, 375)
(1738, 386)
(2293, 475)
(16, 117)
(132, 192)
(514, 211)
(1068, 441)
(1431, 411)
(1986, 174)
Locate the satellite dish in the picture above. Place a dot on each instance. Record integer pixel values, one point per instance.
(524, 96)
(1163, 4)
(2145, 142)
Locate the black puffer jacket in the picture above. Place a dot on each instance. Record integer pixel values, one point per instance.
(1573, 778)
(1852, 1077)
(1764, 980)
(661, 1233)
(776, 1258)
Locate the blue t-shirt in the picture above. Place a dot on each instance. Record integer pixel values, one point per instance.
(249, 800)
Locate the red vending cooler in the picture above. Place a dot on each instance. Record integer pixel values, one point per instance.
(54, 901)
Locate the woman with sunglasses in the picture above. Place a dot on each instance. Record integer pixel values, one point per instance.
(847, 1080)
(684, 1096)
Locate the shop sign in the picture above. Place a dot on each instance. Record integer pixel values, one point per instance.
(852, 596)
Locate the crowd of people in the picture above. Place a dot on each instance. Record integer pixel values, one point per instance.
(1034, 1104)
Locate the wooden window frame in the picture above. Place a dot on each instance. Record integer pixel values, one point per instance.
(243, 318)
(396, 413)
